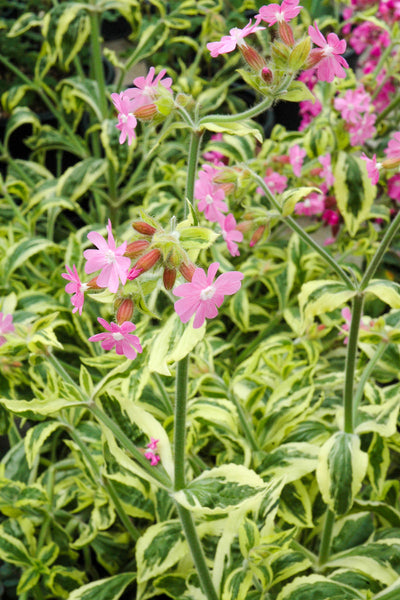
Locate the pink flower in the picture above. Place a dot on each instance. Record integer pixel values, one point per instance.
(296, 157)
(119, 336)
(313, 205)
(275, 182)
(6, 326)
(126, 119)
(210, 196)
(326, 174)
(363, 130)
(273, 13)
(329, 240)
(372, 167)
(153, 444)
(228, 43)
(393, 149)
(111, 260)
(308, 111)
(328, 61)
(394, 187)
(230, 234)
(213, 155)
(201, 297)
(146, 90)
(151, 453)
(331, 217)
(353, 104)
(75, 287)
(346, 314)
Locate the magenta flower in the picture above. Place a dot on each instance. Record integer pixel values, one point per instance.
(273, 13)
(326, 173)
(276, 183)
(372, 167)
(146, 89)
(111, 260)
(394, 187)
(296, 157)
(151, 453)
(228, 43)
(126, 119)
(230, 234)
(75, 287)
(328, 61)
(202, 297)
(313, 205)
(210, 196)
(353, 104)
(393, 149)
(119, 336)
(6, 326)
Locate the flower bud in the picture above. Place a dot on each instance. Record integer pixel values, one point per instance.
(267, 75)
(147, 112)
(136, 248)
(144, 228)
(145, 262)
(251, 56)
(169, 277)
(92, 284)
(390, 163)
(187, 270)
(286, 33)
(125, 311)
(257, 235)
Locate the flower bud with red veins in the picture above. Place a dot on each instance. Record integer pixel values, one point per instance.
(390, 163)
(286, 33)
(148, 260)
(187, 270)
(144, 228)
(257, 235)
(92, 284)
(134, 249)
(169, 277)
(251, 56)
(147, 112)
(125, 311)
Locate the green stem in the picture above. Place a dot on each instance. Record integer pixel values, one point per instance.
(167, 402)
(106, 483)
(326, 537)
(394, 103)
(304, 235)
(197, 553)
(365, 375)
(351, 358)
(194, 149)
(383, 246)
(180, 422)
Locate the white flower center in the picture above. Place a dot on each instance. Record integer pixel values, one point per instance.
(109, 256)
(327, 51)
(207, 293)
(124, 118)
(118, 336)
(83, 287)
(307, 203)
(209, 199)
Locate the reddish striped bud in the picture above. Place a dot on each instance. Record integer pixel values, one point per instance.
(145, 262)
(187, 270)
(286, 33)
(136, 248)
(169, 277)
(146, 113)
(244, 226)
(125, 311)
(251, 56)
(144, 228)
(390, 163)
(92, 284)
(257, 235)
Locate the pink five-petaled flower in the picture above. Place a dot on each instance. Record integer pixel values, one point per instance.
(372, 167)
(230, 234)
(276, 183)
(210, 196)
(151, 453)
(273, 13)
(145, 90)
(296, 157)
(119, 336)
(75, 287)
(228, 43)
(6, 326)
(126, 119)
(328, 61)
(111, 260)
(202, 296)
(393, 149)
(313, 205)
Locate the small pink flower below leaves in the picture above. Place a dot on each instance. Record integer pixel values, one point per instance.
(230, 234)
(296, 157)
(75, 287)
(110, 259)
(202, 296)
(393, 149)
(6, 326)
(120, 337)
(151, 453)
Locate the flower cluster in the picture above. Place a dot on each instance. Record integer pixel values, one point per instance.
(6, 326)
(150, 454)
(355, 107)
